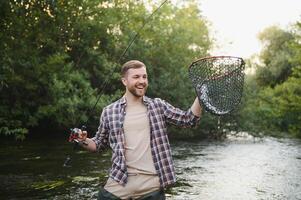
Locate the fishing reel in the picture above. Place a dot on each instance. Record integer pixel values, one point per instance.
(73, 138)
(74, 135)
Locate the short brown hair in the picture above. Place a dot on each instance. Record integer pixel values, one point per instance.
(132, 64)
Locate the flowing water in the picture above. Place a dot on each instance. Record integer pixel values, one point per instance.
(233, 169)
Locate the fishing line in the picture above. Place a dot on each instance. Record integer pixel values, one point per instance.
(106, 82)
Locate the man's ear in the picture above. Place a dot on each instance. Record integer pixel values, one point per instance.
(123, 80)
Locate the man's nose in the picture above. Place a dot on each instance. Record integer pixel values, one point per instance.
(141, 80)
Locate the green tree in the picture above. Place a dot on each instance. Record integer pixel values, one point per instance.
(275, 56)
(56, 56)
(272, 102)
(42, 61)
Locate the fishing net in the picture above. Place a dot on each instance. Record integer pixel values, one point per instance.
(218, 82)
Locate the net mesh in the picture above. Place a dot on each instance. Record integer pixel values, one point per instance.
(218, 82)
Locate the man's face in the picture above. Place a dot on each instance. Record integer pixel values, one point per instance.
(136, 81)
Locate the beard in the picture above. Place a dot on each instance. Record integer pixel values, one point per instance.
(138, 92)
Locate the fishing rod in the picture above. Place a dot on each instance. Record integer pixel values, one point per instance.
(74, 134)
(100, 93)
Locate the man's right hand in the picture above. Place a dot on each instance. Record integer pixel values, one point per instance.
(82, 136)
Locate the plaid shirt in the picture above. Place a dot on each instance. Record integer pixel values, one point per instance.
(110, 134)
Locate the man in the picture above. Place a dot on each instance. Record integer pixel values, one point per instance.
(135, 128)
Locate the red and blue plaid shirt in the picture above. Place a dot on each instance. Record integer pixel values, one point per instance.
(110, 134)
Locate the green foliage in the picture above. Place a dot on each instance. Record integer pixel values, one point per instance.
(49, 50)
(288, 98)
(276, 55)
(69, 93)
(272, 101)
(57, 55)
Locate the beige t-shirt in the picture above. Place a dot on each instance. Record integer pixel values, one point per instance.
(137, 140)
(143, 177)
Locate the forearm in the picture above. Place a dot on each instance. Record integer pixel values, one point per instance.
(196, 108)
(88, 144)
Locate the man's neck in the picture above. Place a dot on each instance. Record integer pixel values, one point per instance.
(131, 99)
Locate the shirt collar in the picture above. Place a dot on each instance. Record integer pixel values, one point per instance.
(145, 100)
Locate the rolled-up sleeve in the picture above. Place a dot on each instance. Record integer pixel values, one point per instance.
(179, 117)
(102, 134)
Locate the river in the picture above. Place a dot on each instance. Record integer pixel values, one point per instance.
(233, 169)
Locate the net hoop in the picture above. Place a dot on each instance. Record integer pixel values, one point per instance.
(218, 82)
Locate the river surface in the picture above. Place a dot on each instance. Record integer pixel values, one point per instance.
(234, 169)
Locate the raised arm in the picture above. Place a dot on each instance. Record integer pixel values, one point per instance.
(176, 116)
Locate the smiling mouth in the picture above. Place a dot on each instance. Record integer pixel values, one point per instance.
(141, 87)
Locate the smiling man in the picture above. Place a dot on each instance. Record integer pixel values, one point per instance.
(135, 128)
